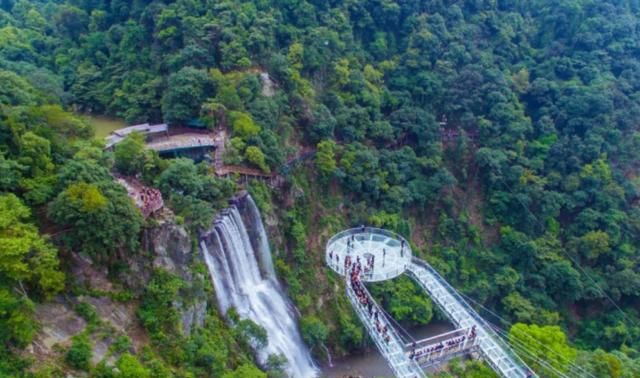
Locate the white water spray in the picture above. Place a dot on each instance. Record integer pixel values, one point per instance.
(242, 272)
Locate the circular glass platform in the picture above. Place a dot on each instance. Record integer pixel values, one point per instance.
(383, 254)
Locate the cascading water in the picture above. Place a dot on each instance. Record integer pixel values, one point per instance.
(257, 235)
(237, 253)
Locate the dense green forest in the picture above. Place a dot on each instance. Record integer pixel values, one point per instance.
(500, 136)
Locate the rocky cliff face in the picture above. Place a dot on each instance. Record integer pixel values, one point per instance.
(171, 246)
(168, 246)
(173, 250)
(110, 317)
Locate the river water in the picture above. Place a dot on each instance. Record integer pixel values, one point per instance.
(371, 364)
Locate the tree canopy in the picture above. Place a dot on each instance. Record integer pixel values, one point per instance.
(500, 137)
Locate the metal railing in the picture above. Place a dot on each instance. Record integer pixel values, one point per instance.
(339, 267)
(392, 351)
(369, 230)
(443, 347)
(494, 350)
(371, 276)
(498, 354)
(447, 356)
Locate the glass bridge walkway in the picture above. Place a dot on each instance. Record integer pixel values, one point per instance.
(379, 255)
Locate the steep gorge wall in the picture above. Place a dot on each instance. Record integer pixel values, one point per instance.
(173, 250)
(169, 246)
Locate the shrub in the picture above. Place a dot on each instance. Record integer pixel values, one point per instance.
(255, 156)
(79, 355)
(87, 312)
(121, 344)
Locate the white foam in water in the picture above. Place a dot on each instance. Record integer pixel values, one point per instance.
(238, 283)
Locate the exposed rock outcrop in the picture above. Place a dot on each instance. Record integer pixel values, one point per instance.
(173, 251)
(172, 247)
(268, 85)
(58, 324)
(169, 246)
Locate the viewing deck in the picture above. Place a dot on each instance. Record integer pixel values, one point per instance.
(147, 199)
(441, 348)
(389, 252)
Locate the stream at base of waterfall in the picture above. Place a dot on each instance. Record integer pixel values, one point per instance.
(237, 253)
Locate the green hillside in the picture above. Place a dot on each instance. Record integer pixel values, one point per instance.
(501, 137)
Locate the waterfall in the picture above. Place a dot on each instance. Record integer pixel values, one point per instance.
(257, 235)
(237, 254)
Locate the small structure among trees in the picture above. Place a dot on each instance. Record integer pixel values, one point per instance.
(145, 129)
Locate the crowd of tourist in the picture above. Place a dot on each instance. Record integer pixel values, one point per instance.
(147, 199)
(442, 347)
(364, 301)
(150, 200)
(371, 260)
(369, 264)
(355, 269)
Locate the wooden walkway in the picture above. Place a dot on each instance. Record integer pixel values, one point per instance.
(220, 139)
(222, 170)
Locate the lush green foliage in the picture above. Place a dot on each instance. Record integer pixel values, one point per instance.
(541, 342)
(132, 158)
(157, 312)
(100, 217)
(28, 267)
(313, 331)
(245, 371)
(25, 256)
(256, 157)
(79, 354)
(525, 197)
(87, 312)
(211, 350)
(404, 300)
(325, 158)
(468, 369)
(193, 192)
(129, 367)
